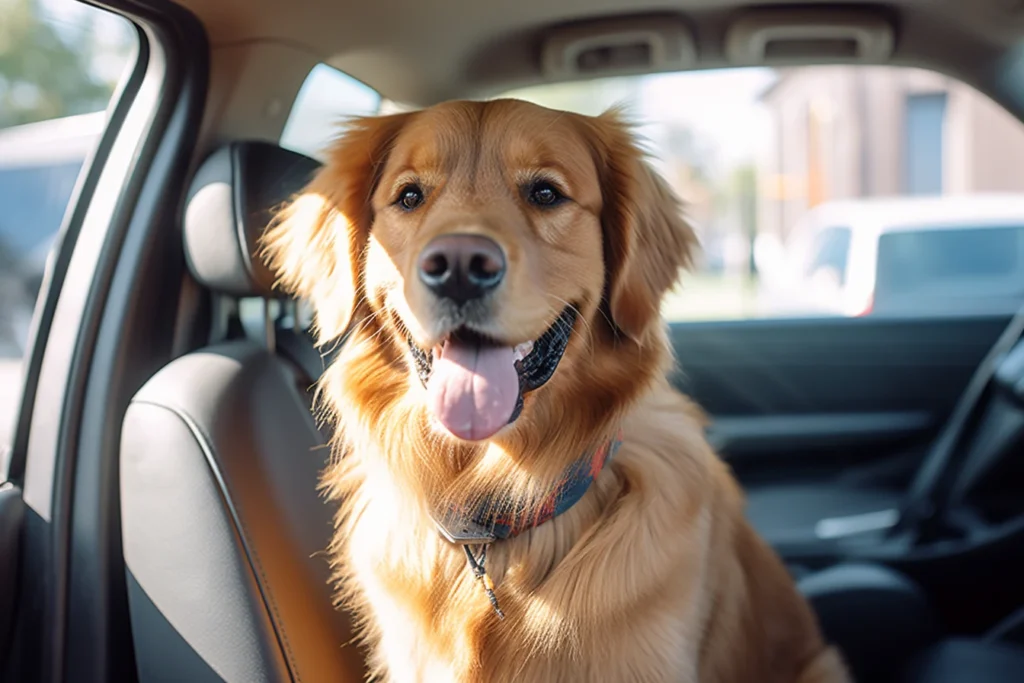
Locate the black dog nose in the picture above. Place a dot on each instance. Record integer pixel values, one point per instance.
(462, 267)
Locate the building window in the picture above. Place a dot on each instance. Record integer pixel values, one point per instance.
(925, 118)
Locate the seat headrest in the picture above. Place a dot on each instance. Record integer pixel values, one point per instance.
(229, 204)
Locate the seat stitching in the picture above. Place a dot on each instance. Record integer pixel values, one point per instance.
(206, 445)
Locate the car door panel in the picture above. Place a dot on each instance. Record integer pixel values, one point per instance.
(824, 394)
(750, 437)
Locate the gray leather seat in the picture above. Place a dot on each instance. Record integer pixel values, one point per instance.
(224, 531)
(889, 633)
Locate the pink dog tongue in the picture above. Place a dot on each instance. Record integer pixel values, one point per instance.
(473, 389)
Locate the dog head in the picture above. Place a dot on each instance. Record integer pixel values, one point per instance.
(498, 251)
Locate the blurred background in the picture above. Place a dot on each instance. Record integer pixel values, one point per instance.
(843, 190)
(59, 65)
(832, 190)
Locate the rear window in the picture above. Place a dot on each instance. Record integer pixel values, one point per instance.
(761, 155)
(951, 261)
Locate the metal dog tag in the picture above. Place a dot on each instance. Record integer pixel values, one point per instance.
(462, 530)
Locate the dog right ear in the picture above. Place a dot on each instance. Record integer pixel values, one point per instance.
(647, 240)
(315, 244)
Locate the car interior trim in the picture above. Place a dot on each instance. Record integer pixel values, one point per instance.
(130, 336)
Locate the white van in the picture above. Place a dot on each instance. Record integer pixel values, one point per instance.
(906, 256)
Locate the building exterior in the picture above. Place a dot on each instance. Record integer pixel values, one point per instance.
(842, 132)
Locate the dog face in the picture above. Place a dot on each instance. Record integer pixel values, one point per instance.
(499, 246)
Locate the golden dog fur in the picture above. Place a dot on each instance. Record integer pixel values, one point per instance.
(654, 575)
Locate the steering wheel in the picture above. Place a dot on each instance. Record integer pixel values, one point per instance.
(987, 421)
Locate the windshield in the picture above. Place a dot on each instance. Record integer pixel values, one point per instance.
(753, 151)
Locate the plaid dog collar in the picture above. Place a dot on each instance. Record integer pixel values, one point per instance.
(496, 519)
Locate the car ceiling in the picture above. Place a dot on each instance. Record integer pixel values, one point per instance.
(427, 50)
(424, 51)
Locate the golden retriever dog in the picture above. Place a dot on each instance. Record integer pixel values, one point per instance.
(523, 495)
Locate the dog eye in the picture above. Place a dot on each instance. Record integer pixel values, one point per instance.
(543, 193)
(410, 197)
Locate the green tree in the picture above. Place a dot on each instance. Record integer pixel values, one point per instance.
(44, 75)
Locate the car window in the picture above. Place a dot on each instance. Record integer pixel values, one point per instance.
(326, 99)
(830, 252)
(760, 156)
(935, 265)
(60, 62)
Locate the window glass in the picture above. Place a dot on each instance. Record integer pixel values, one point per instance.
(831, 251)
(830, 190)
(60, 62)
(937, 265)
(326, 99)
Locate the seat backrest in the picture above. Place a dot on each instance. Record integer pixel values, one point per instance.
(224, 531)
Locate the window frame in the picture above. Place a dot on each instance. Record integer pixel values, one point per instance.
(72, 606)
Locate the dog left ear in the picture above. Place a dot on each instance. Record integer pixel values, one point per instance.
(316, 243)
(647, 240)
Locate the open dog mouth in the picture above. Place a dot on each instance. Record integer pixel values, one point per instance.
(476, 385)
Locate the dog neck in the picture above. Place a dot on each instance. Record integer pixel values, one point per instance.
(499, 517)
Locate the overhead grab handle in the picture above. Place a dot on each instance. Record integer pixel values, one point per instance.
(618, 47)
(785, 36)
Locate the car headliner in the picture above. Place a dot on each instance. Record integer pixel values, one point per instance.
(419, 53)
(424, 51)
